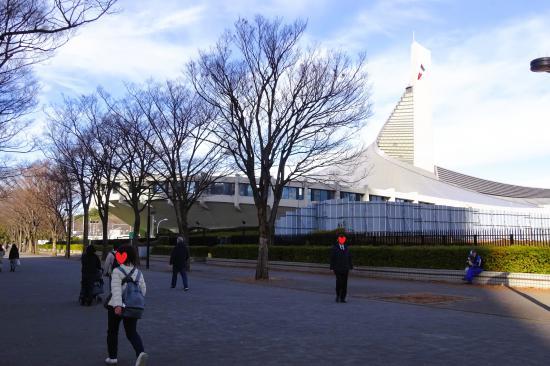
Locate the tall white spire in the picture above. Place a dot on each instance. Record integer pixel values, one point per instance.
(421, 67)
(407, 134)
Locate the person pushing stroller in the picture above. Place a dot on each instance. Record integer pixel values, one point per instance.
(91, 284)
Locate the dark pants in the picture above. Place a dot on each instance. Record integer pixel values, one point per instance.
(341, 284)
(13, 264)
(183, 274)
(471, 273)
(130, 325)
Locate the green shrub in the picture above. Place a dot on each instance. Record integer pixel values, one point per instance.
(61, 247)
(502, 259)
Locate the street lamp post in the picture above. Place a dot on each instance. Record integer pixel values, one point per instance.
(158, 226)
(148, 226)
(541, 64)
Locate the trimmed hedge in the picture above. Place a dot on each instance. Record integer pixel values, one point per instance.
(521, 259)
(61, 247)
(196, 251)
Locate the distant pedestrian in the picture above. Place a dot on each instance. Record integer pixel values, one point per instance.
(341, 264)
(2, 252)
(121, 276)
(110, 262)
(180, 261)
(474, 266)
(14, 257)
(91, 276)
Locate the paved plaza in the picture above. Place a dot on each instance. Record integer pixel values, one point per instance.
(228, 319)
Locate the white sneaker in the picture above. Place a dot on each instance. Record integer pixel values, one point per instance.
(111, 361)
(142, 359)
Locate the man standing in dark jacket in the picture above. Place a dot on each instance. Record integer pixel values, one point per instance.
(179, 259)
(341, 264)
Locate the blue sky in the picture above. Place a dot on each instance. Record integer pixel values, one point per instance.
(491, 114)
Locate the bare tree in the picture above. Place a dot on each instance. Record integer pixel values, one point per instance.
(135, 154)
(186, 161)
(284, 112)
(30, 31)
(25, 210)
(60, 201)
(103, 145)
(65, 144)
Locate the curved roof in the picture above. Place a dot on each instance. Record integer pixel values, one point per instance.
(489, 187)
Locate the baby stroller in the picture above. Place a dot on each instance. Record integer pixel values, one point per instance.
(91, 289)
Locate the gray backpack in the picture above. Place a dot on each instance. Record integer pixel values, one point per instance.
(133, 299)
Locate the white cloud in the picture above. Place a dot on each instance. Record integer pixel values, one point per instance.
(489, 109)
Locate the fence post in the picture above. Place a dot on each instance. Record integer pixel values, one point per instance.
(475, 239)
(511, 239)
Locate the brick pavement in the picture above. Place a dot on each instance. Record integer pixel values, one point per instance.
(226, 319)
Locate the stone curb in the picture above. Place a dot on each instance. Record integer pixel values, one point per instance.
(511, 279)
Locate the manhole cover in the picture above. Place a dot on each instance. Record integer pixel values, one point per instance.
(421, 298)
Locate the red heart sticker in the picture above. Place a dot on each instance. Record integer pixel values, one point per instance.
(121, 257)
(341, 240)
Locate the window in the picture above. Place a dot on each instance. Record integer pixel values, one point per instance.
(351, 196)
(375, 198)
(221, 188)
(292, 193)
(321, 195)
(403, 200)
(245, 190)
(158, 187)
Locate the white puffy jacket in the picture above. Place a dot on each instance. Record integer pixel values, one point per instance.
(116, 284)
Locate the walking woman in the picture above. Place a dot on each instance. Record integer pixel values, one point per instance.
(126, 272)
(13, 257)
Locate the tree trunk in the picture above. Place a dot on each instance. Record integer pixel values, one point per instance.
(105, 231)
(86, 225)
(54, 243)
(183, 226)
(135, 241)
(33, 243)
(69, 232)
(137, 222)
(262, 268)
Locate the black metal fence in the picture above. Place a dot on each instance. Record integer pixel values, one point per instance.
(493, 237)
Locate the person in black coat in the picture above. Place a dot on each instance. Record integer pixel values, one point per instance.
(91, 272)
(341, 264)
(13, 257)
(179, 259)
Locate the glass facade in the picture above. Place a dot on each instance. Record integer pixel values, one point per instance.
(350, 196)
(402, 200)
(245, 190)
(375, 198)
(321, 195)
(221, 188)
(292, 193)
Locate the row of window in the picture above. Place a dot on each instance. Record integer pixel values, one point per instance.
(292, 193)
(289, 193)
(375, 198)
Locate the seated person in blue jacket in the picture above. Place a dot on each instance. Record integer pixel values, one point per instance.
(474, 266)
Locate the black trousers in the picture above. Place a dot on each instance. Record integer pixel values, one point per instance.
(341, 284)
(130, 325)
